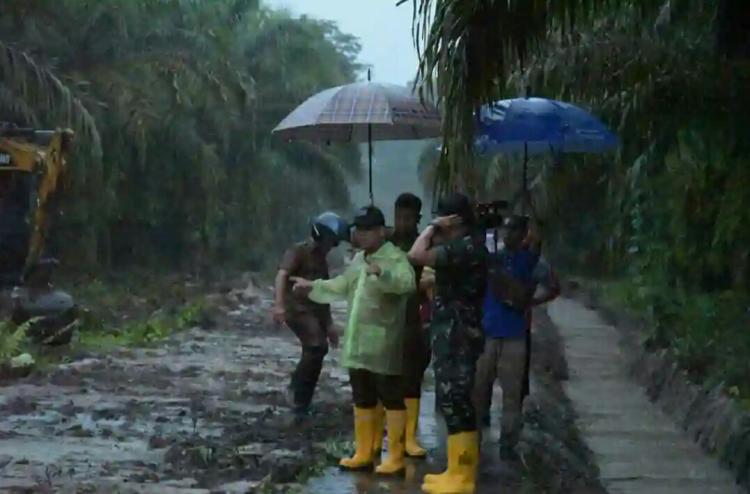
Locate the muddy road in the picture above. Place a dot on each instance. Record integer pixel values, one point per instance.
(205, 411)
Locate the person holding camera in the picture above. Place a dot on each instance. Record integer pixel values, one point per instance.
(515, 271)
(456, 334)
(377, 285)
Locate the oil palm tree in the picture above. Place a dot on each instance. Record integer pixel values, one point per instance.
(182, 95)
(468, 48)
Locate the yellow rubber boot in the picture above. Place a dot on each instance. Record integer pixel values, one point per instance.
(450, 470)
(379, 424)
(363, 431)
(463, 462)
(413, 448)
(394, 462)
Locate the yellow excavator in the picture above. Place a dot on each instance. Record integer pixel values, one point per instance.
(32, 169)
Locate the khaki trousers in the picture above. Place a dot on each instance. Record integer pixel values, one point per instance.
(504, 359)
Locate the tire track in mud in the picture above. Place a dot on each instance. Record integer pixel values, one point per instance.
(203, 412)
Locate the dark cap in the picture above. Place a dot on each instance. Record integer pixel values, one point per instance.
(369, 217)
(456, 204)
(516, 222)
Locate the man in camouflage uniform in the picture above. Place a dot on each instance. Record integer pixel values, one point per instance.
(456, 334)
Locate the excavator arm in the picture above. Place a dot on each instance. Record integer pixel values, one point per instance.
(43, 155)
(32, 169)
(54, 167)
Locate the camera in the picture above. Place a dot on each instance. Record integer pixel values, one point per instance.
(490, 214)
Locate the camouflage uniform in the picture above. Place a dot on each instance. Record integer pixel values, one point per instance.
(456, 330)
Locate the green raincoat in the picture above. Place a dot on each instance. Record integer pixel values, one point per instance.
(374, 335)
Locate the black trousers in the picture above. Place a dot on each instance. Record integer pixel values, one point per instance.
(368, 388)
(311, 332)
(417, 355)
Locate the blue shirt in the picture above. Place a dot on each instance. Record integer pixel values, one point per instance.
(499, 319)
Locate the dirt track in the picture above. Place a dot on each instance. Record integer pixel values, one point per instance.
(202, 410)
(205, 412)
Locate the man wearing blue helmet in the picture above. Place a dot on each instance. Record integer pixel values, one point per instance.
(310, 322)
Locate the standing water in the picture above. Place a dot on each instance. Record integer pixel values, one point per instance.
(336, 481)
(494, 477)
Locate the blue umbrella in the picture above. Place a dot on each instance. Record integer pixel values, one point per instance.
(538, 126)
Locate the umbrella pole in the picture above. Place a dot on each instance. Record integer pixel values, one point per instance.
(369, 159)
(369, 151)
(525, 191)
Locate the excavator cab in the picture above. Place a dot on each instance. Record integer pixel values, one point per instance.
(15, 230)
(32, 164)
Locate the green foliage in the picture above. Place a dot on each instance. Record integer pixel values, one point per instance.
(182, 96)
(675, 218)
(671, 212)
(467, 50)
(12, 338)
(706, 333)
(157, 327)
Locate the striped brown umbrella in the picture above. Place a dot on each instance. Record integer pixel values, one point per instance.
(359, 112)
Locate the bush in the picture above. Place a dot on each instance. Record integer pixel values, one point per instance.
(708, 333)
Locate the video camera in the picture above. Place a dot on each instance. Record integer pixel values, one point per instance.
(490, 214)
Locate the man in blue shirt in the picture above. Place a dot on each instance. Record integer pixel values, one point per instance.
(515, 271)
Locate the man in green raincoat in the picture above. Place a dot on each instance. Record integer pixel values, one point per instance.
(377, 285)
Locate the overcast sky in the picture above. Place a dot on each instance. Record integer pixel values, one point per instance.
(383, 29)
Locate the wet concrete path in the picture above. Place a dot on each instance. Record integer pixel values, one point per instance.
(637, 447)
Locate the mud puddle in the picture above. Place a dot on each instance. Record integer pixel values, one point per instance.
(553, 458)
(494, 475)
(203, 412)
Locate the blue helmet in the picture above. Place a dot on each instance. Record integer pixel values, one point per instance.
(330, 225)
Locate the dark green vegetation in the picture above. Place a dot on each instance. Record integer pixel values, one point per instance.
(173, 102)
(136, 309)
(668, 218)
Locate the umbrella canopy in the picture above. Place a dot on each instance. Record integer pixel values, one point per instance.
(538, 125)
(360, 112)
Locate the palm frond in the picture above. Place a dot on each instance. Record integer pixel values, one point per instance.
(40, 88)
(468, 48)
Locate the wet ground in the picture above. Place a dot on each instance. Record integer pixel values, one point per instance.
(494, 476)
(637, 447)
(205, 412)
